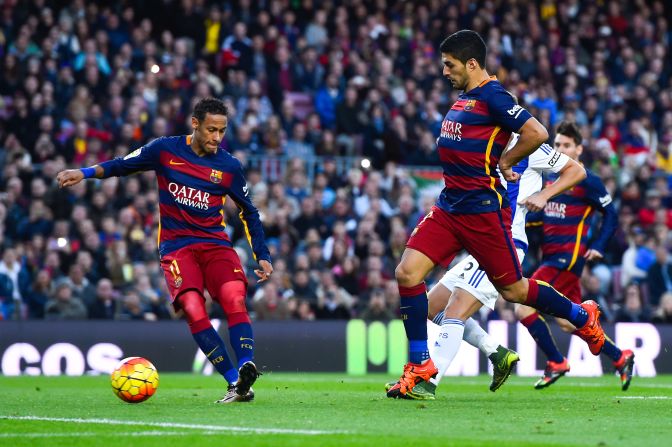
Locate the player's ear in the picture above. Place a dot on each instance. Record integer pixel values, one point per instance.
(194, 123)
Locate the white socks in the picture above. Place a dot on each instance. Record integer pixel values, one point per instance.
(446, 346)
(476, 336)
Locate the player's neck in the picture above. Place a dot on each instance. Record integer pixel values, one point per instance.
(198, 150)
(479, 78)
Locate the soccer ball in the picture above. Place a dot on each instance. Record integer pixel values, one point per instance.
(134, 380)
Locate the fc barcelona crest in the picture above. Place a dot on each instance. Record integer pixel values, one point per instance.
(216, 176)
(470, 105)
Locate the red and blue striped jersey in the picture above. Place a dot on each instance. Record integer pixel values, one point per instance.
(473, 136)
(192, 193)
(566, 222)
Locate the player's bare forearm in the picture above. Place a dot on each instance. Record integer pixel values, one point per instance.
(572, 174)
(71, 177)
(532, 135)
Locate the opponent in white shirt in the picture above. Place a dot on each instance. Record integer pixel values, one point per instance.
(473, 284)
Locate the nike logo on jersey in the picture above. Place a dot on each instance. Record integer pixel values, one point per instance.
(495, 278)
(175, 163)
(244, 338)
(237, 270)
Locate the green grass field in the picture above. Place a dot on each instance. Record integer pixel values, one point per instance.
(334, 410)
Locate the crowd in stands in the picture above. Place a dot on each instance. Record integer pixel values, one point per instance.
(334, 107)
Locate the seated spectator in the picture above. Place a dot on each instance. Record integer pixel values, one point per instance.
(106, 304)
(268, 304)
(633, 310)
(377, 309)
(664, 313)
(659, 276)
(63, 306)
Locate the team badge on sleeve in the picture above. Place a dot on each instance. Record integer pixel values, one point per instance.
(216, 176)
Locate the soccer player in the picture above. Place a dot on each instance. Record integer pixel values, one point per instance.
(473, 283)
(565, 251)
(194, 178)
(473, 212)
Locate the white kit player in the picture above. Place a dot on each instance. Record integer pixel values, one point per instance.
(466, 281)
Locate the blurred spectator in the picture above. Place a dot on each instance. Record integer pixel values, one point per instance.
(633, 310)
(659, 276)
(64, 306)
(268, 303)
(377, 309)
(106, 304)
(664, 313)
(345, 90)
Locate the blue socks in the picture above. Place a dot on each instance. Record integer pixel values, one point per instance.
(414, 308)
(545, 298)
(212, 345)
(611, 350)
(541, 333)
(242, 341)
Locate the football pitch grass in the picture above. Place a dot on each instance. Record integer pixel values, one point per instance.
(335, 410)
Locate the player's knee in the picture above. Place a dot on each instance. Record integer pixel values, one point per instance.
(406, 276)
(234, 304)
(523, 312)
(193, 306)
(514, 293)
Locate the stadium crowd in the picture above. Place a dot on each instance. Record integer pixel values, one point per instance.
(334, 109)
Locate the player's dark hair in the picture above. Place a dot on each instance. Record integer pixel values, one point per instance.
(464, 45)
(212, 106)
(571, 130)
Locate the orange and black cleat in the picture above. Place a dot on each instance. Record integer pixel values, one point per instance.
(414, 382)
(625, 366)
(552, 373)
(592, 332)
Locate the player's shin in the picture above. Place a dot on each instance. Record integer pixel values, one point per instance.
(476, 336)
(241, 337)
(231, 297)
(446, 346)
(545, 298)
(414, 309)
(212, 345)
(541, 333)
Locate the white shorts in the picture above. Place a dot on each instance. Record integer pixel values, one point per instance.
(467, 276)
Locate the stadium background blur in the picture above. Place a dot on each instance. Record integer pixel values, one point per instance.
(334, 110)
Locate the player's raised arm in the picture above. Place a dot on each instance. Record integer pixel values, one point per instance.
(143, 159)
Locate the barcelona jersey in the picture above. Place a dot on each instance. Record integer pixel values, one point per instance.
(192, 193)
(473, 136)
(566, 221)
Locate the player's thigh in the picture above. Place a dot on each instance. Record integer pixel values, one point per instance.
(434, 237)
(220, 265)
(462, 305)
(182, 272)
(487, 237)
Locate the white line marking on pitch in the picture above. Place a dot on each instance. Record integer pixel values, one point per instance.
(642, 397)
(91, 434)
(218, 428)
